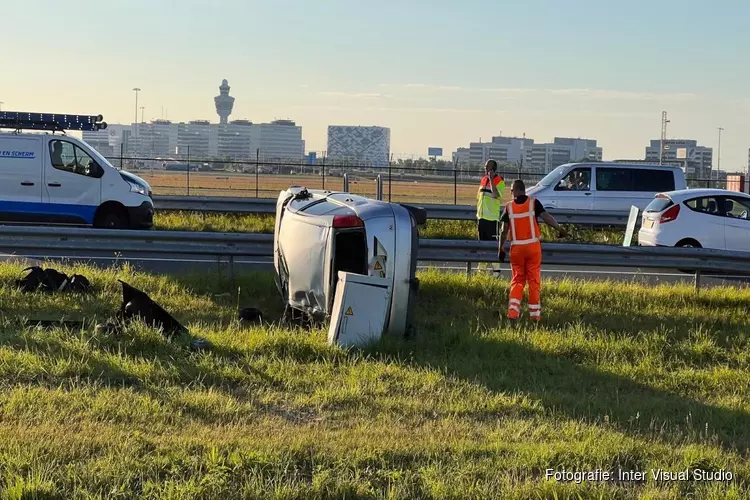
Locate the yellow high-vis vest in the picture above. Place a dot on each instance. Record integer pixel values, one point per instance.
(488, 208)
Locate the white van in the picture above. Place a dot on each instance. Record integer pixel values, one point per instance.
(606, 186)
(58, 179)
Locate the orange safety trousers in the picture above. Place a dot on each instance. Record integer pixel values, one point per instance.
(526, 267)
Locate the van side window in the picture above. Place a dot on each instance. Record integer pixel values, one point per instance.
(653, 181)
(614, 179)
(578, 179)
(68, 157)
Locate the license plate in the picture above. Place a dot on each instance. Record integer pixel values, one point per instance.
(648, 224)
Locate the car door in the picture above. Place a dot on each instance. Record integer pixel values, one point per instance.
(574, 191)
(737, 223)
(72, 183)
(708, 224)
(21, 179)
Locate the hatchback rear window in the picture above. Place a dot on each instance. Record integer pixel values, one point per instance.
(659, 204)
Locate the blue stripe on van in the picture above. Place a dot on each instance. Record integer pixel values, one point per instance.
(84, 213)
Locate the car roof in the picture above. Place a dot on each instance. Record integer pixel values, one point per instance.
(623, 164)
(685, 194)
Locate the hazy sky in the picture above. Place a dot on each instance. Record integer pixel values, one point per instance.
(437, 73)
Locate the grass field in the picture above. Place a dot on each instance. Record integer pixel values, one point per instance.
(213, 184)
(259, 223)
(617, 377)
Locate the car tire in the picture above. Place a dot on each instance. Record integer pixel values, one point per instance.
(113, 219)
(688, 243)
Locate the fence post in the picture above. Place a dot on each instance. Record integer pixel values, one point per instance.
(346, 182)
(697, 281)
(455, 186)
(122, 144)
(379, 187)
(188, 170)
(389, 181)
(324, 179)
(257, 156)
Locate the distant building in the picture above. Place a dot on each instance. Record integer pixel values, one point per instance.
(224, 102)
(194, 137)
(280, 140)
(360, 145)
(697, 159)
(231, 140)
(111, 141)
(546, 157)
(155, 139)
(532, 156)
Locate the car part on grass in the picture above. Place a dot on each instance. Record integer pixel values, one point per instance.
(137, 304)
(51, 280)
(318, 234)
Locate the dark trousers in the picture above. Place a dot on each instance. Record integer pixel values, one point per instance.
(487, 229)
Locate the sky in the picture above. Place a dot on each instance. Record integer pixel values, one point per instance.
(437, 73)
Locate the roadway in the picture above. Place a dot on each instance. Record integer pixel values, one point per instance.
(174, 263)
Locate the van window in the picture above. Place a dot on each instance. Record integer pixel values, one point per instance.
(653, 181)
(68, 157)
(578, 179)
(614, 179)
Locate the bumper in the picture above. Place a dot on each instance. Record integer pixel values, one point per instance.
(142, 216)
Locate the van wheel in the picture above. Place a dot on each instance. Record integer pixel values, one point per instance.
(112, 219)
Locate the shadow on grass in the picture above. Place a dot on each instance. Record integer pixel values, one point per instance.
(564, 386)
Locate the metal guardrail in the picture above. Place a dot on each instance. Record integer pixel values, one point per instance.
(434, 211)
(130, 244)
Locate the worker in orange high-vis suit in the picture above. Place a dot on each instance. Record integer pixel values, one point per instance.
(520, 220)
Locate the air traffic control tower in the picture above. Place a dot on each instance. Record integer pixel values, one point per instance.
(224, 102)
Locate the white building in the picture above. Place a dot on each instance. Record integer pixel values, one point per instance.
(367, 146)
(546, 157)
(697, 159)
(152, 140)
(194, 138)
(231, 140)
(111, 141)
(280, 140)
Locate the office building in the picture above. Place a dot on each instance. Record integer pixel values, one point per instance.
(360, 145)
(504, 150)
(109, 142)
(695, 160)
(152, 140)
(231, 140)
(194, 138)
(460, 157)
(280, 140)
(544, 158)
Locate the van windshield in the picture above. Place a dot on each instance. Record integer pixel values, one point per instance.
(99, 158)
(552, 177)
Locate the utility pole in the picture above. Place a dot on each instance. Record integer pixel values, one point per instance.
(718, 161)
(664, 122)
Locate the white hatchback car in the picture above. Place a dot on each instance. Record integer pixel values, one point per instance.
(702, 218)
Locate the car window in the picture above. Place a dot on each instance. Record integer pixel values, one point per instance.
(707, 205)
(68, 157)
(614, 179)
(736, 207)
(578, 179)
(653, 181)
(658, 204)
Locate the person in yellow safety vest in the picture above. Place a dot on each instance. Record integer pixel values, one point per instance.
(520, 219)
(489, 200)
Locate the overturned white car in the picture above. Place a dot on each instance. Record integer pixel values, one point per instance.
(320, 233)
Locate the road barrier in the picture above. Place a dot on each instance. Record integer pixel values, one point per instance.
(434, 211)
(126, 244)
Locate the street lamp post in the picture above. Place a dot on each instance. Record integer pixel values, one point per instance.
(718, 161)
(142, 108)
(135, 122)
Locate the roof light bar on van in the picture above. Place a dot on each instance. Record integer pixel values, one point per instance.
(48, 121)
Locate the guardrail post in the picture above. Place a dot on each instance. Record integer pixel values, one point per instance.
(346, 182)
(379, 187)
(468, 269)
(231, 270)
(697, 281)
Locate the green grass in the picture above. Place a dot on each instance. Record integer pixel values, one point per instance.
(617, 376)
(453, 229)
